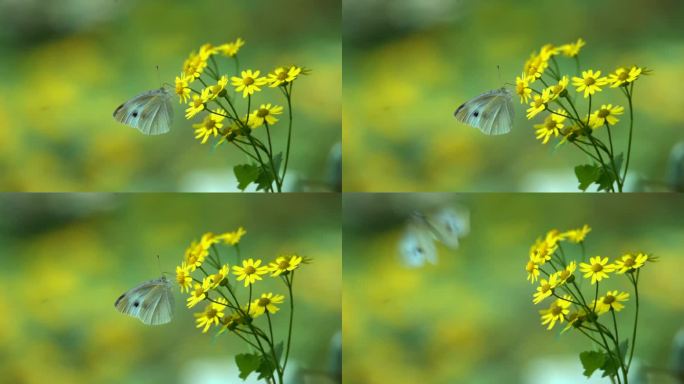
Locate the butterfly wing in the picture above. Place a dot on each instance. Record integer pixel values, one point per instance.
(151, 112)
(417, 246)
(491, 112)
(152, 302)
(449, 225)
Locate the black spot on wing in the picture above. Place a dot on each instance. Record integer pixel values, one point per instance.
(476, 113)
(135, 113)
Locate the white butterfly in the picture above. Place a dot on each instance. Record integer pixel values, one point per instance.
(150, 113)
(152, 302)
(417, 246)
(491, 112)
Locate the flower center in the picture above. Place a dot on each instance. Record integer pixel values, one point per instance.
(589, 81)
(603, 113)
(248, 80)
(550, 124)
(557, 88)
(211, 124)
(629, 262)
(264, 301)
(545, 287)
(529, 267)
(564, 274)
(597, 267)
(556, 310)
(609, 299)
(262, 112)
(211, 313)
(282, 76)
(623, 76)
(249, 270)
(285, 264)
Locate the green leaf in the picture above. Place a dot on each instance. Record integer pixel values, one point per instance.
(268, 365)
(591, 361)
(265, 178)
(277, 160)
(245, 174)
(586, 175)
(247, 363)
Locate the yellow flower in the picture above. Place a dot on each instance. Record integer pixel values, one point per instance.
(206, 50)
(545, 289)
(250, 271)
(283, 76)
(208, 239)
(535, 66)
(213, 281)
(551, 126)
(284, 264)
(577, 235)
(541, 251)
(572, 49)
(605, 115)
(211, 125)
(215, 90)
(590, 82)
(630, 262)
(194, 255)
(183, 277)
(612, 300)
(212, 314)
(522, 88)
(248, 82)
(232, 238)
(266, 303)
(598, 269)
(194, 66)
(564, 275)
(556, 312)
(231, 49)
(182, 89)
(577, 316)
(624, 76)
(532, 271)
(265, 114)
(556, 90)
(196, 105)
(198, 293)
(538, 104)
(547, 51)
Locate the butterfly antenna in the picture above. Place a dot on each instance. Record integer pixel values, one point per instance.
(158, 76)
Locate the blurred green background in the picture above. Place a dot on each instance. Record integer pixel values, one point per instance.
(409, 64)
(66, 65)
(65, 258)
(470, 318)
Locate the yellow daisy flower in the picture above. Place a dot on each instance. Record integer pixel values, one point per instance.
(577, 316)
(283, 76)
(195, 106)
(556, 90)
(538, 104)
(624, 76)
(211, 125)
(612, 300)
(522, 88)
(250, 271)
(194, 66)
(551, 126)
(541, 251)
(194, 255)
(233, 238)
(565, 275)
(214, 280)
(214, 91)
(572, 49)
(545, 289)
(630, 262)
(231, 49)
(284, 264)
(532, 271)
(597, 268)
(590, 82)
(208, 239)
(547, 51)
(577, 235)
(248, 82)
(182, 89)
(212, 314)
(198, 294)
(266, 303)
(265, 114)
(183, 277)
(207, 50)
(556, 312)
(535, 66)
(605, 115)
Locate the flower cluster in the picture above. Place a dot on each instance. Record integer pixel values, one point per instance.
(205, 89)
(549, 265)
(210, 281)
(545, 88)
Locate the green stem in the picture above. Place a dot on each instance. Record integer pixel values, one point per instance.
(612, 159)
(631, 128)
(288, 95)
(275, 358)
(617, 346)
(635, 281)
(270, 155)
(289, 282)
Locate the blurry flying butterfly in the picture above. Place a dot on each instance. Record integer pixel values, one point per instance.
(417, 246)
(150, 113)
(491, 112)
(152, 302)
